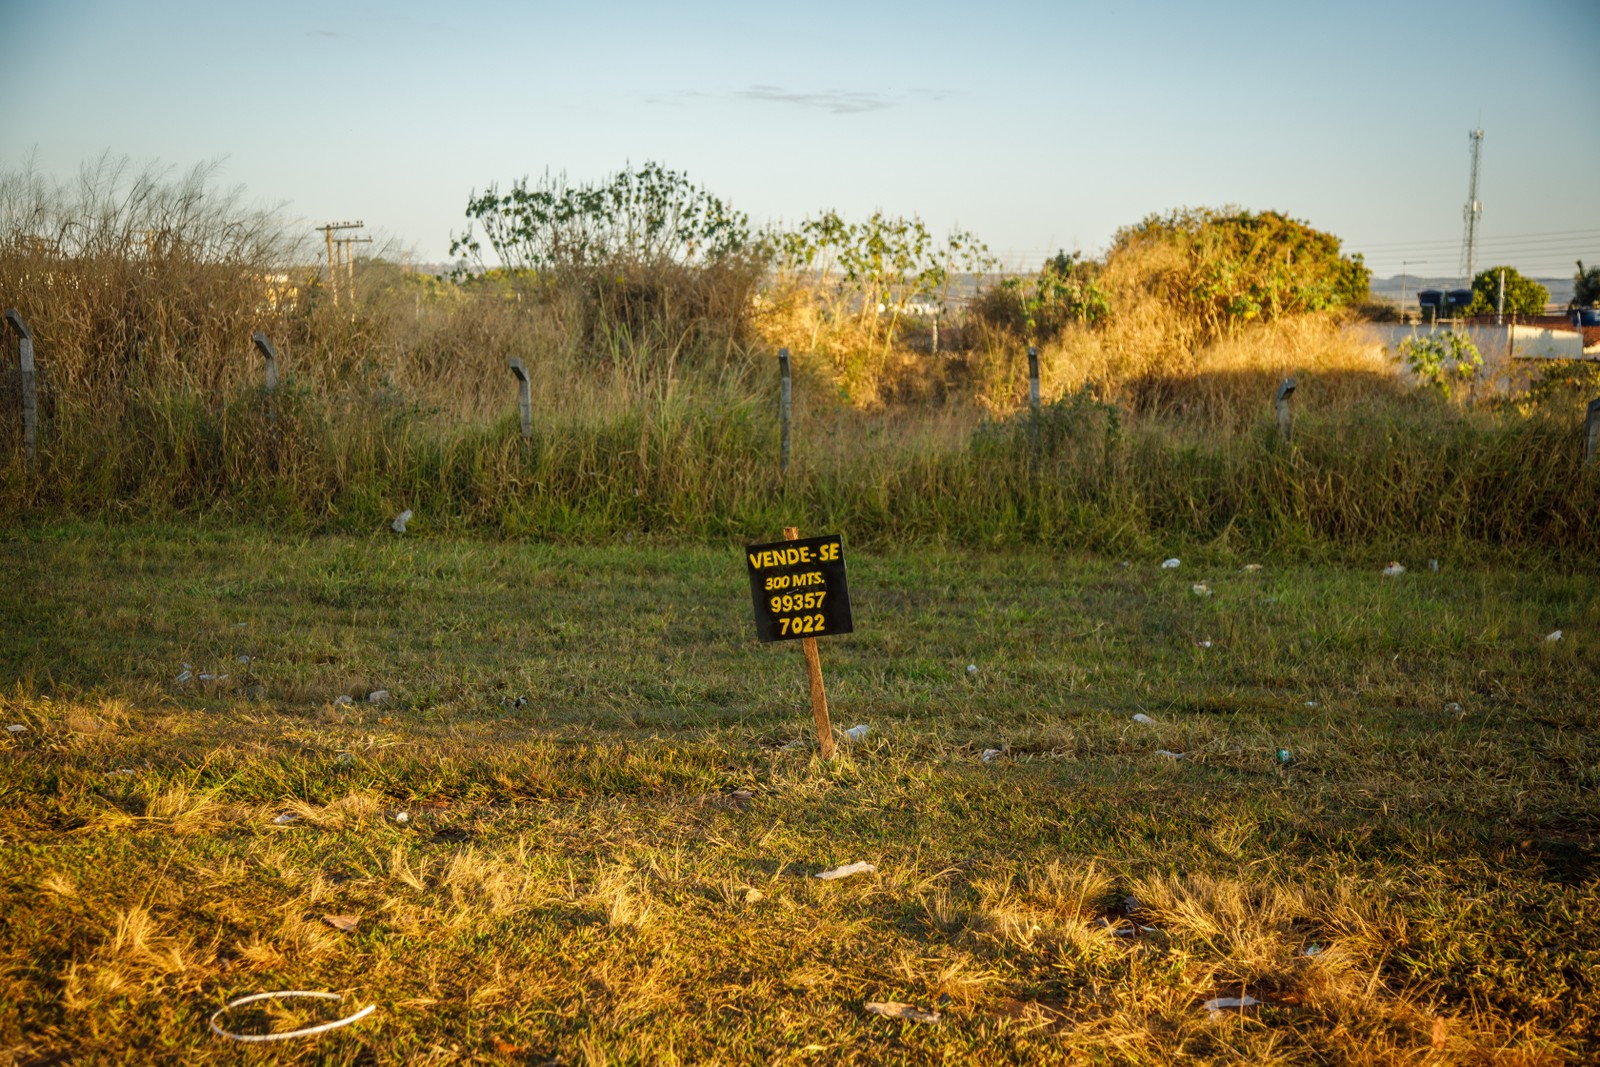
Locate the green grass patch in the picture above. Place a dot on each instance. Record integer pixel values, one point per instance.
(614, 807)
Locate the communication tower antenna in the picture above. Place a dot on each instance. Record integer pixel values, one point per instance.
(1472, 212)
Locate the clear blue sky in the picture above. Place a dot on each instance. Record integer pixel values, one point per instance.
(1036, 125)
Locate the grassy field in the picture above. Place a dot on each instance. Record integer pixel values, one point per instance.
(613, 812)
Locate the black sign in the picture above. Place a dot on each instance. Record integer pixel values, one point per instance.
(798, 588)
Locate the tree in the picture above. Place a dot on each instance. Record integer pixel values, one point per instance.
(1236, 267)
(1586, 287)
(1524, 296)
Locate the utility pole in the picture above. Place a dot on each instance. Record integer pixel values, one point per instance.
(327, 232)
(1471, 213)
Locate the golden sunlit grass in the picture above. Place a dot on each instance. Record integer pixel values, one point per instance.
(575, 880)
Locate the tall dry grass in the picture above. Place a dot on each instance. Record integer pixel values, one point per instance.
(655, 406)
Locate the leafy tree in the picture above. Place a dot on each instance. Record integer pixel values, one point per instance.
(645, 217)
(1586, 287)
(876, 268)
(1524, 296)
(1236, 267)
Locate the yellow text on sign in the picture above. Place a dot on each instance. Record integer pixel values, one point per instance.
(790, 557)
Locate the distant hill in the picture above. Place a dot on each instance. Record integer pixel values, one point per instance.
(1560, 288)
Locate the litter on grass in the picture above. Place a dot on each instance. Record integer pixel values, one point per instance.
(858, 732)
(1285, 757)
(1217, 1005)
(342, 701)
(1142, 717)
(1203, 643)
(742, 798)
(991, 754)
(16, 728)
(400, 520)
(1455, 709)
(1169, 755)
(1553, 636)
(972, 670)
(1311, 950)
(1200, 589)
(342, 922)
(285, 819)
(1170, 564)
(185, 675)
(244, 659)
(345, 757)
(893, 1009)
(1394, 570)
(1250, 568)
(285, 994)
(121, 772)
(402, 816)
(1311, 703)
(847, 871)
(377, 696)
(754, 896)
(1433, 565)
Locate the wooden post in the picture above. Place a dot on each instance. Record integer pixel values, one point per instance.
(1033, 399)
(30, 398)
(270, 354)
(1285, 391)
(819, 696)
(524, 396)
(784, 400)
(1591, 436)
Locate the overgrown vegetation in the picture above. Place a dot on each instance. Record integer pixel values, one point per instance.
(647, 314)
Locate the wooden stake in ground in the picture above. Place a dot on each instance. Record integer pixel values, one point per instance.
(819, 696)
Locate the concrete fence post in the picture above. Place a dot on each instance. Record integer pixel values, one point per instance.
(785, 400)
(1285, 391)
(1033, 399)
(1591, 434)
(270, 354)
(524, 396)
(30, 397)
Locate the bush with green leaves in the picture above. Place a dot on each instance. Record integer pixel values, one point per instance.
(1586, 287)
(1444, 361)
(1065, 291)
(1225, 268)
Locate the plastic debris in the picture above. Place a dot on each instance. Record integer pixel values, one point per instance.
(285, 819)
(185, 675)
(342, 922)
(1312, 949)
(1251, 568)
(121, 772)
(1455, 709)
(893, 1009)
(16, 728)
(245, 659)
(213, 677)
(1285, 757)
(1394, 570)
(991, 754)
(1169, 755)
(1553, 636)
(742, 798)
(513, 702)
(1433, 565)
(1142, 717)
(847, 871)
(402, 816)
(377, 696)
(972, 670)
(1124, 565)
(342, 701)
(400, 520)
(1200, 589)
(305, 1031)
(1171, 564)
(1312, 704)
(1203, 643)
(858, 732)
(1217, 1005)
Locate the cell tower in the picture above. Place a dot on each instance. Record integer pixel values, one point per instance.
(1472, 212)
